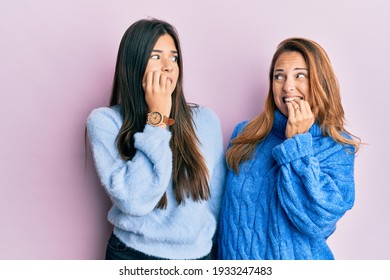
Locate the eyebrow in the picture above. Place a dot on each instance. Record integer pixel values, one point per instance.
(160, 51)
(295, 69)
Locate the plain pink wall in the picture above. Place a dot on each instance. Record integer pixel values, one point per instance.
(57, 61)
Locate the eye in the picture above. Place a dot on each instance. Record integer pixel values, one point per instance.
(155, 56)
(301, 75)
(278, 77)
(174, 58)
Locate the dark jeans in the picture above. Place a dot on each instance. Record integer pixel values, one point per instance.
(117, 250)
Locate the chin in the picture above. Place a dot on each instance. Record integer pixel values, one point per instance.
(283, 110)
(284, 113)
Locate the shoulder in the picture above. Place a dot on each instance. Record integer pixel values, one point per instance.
(207, 125)
(239, 128)
(204, 115)
(104, 116)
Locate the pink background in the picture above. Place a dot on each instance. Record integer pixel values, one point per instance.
(57, 61)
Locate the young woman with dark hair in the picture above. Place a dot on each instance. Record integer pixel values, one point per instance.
(160, 159)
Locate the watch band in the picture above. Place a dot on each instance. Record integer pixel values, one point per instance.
(168, 121)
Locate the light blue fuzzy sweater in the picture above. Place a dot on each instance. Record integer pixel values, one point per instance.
(287, 200)
(179, 232)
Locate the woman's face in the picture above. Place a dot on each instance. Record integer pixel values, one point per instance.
(163, 59)
(290, 80)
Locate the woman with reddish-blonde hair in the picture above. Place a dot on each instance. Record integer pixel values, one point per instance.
(291, 168)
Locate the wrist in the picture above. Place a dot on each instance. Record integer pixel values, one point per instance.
(156, 118)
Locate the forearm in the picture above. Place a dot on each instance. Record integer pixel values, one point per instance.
(315, 188)
(134, 186)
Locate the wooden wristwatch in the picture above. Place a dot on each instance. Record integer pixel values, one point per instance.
(157, 119)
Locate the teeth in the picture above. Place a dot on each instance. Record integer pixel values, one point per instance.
(288, 99)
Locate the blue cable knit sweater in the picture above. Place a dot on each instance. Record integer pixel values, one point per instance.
(286, 201)
(183, 231)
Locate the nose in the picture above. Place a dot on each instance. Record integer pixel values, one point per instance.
(167, 66)
(289, 85)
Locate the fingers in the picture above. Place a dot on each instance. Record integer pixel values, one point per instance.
(158, 91)
(300, 117)
(166, 84)
(169, 86)
(156, 82)
(291, 110)
(148, 81)
(163, 82)
(300, 109)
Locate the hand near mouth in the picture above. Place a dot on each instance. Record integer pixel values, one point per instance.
(300, 117)
(158, 91)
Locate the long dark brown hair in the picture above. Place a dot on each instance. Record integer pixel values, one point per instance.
(324, 94)
(190, 174)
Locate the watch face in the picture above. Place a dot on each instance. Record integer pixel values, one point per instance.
(154, 118)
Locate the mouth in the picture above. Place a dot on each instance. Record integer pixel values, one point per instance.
(289, 99)
(169, 79)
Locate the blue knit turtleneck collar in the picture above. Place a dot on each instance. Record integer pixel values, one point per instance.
(280, 122)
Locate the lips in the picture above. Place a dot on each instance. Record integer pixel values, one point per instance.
(288, 99)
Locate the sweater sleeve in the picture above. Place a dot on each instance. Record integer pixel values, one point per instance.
(134, 186)
(315, 185)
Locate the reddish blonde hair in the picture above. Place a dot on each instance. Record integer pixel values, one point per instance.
(324, 94)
